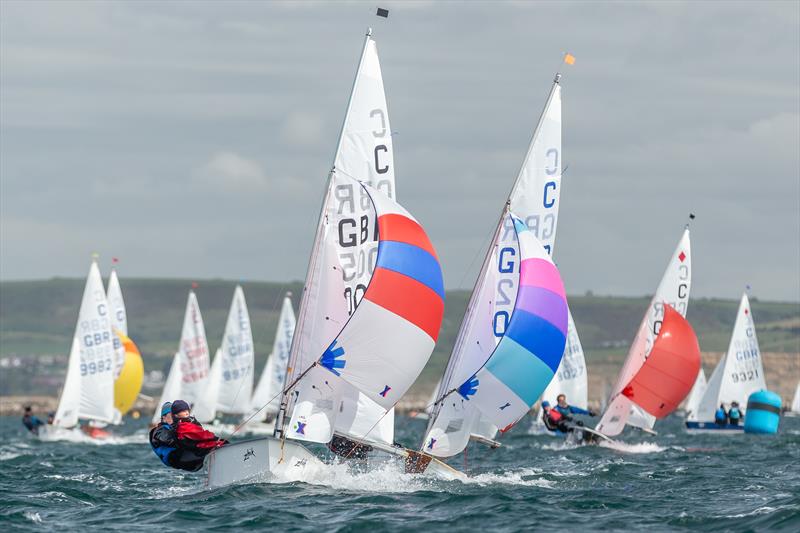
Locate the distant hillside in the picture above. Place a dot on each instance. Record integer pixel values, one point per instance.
(38, 318)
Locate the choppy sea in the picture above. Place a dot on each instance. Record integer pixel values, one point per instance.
(672, 481)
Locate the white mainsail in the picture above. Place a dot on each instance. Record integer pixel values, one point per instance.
(535, 199)
(699, 388)
(673, 290)
(119, 319)
(795, 407)
(739, 373)
(93, 349)
(70, 402)
(271, 382)
(364, 152)
(236, 372)
(193, 353)
(172, 387)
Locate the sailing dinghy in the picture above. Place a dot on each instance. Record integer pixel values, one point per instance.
(672, 293)
(265, 403)
(188, 377)
(516, 319)
(370, 312)
(128, 364)
(230, 379)
(88, 392)
(738, 374)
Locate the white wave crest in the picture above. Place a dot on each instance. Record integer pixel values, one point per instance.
(641, 447)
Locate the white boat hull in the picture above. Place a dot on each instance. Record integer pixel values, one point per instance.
(263, 459)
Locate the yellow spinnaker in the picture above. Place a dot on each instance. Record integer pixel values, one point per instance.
(129, 382)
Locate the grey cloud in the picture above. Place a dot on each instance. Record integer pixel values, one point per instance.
(115, 119)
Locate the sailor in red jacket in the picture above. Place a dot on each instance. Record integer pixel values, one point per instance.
(189, 434)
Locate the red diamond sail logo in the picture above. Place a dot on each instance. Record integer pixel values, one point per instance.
(682, 256)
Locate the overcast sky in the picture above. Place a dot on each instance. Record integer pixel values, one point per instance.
(193, 139)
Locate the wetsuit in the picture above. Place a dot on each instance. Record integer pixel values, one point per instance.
(721, 417)
(32, 422)
(734, 415)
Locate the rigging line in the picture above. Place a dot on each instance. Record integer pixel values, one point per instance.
(475, 257)
(283, 391)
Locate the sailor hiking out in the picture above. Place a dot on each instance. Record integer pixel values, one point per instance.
(179, 440)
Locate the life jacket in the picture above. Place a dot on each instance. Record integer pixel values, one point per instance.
(720, 414)
(734, 413)
(552, 419)
(161, 450)
(192, 436)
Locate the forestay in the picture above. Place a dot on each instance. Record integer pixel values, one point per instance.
(739, 373)
(272, 378)
(382, 346)
(193, 353)
(91, 364)
(119, 319)
(535, 198)
(673, 290)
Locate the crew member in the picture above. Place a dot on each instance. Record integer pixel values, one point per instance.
(163, 441)
(31, 421)
(554, 420)
(721, 416)
(193, 441)
(734, 414)
(566, 409)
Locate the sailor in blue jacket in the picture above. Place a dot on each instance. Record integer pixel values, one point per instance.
(163, 438)
(566, 409)
(734, 414)
(31, 421)
(721, 416)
